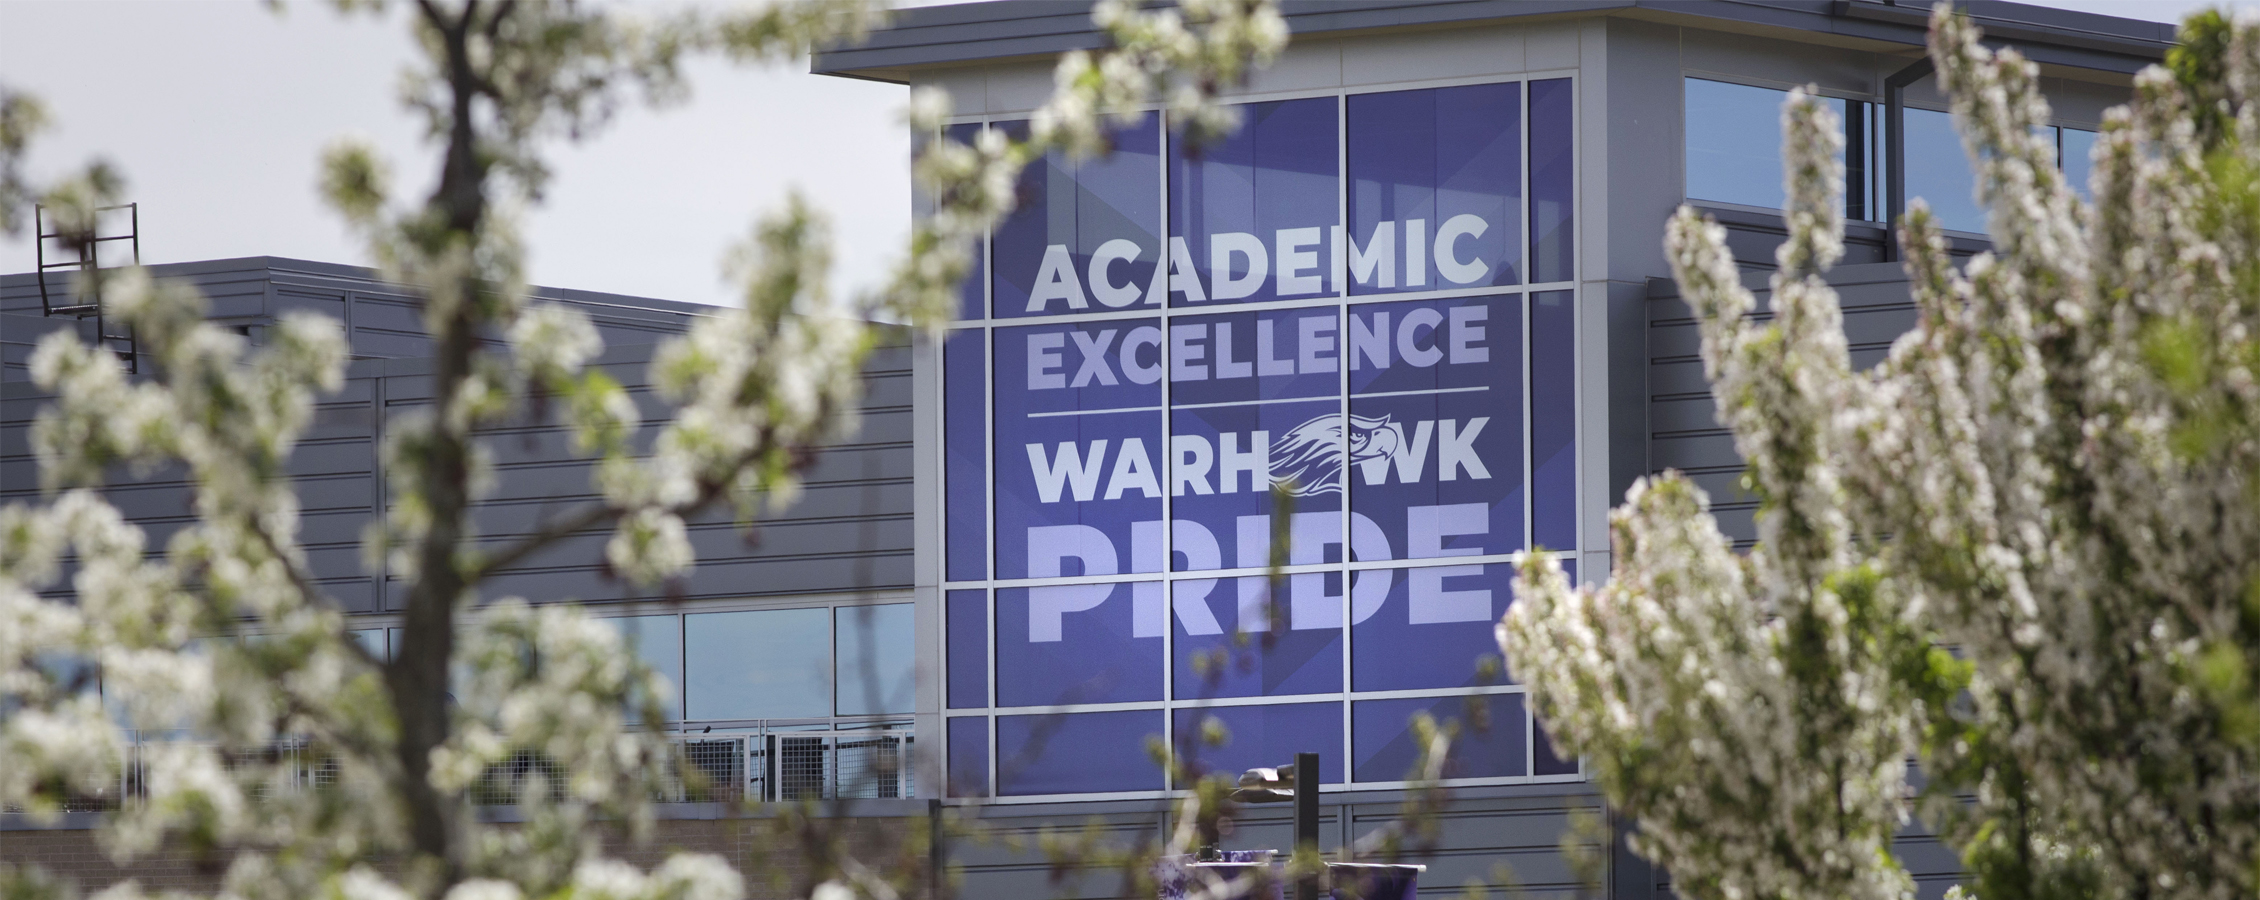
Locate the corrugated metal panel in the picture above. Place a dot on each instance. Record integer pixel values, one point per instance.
(1683, 428)
(850, 528)
(383, 321)
(1481, 830)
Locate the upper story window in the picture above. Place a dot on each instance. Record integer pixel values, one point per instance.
(793, 664)
(1734, 147)
(1734, 154)
(1938, 171)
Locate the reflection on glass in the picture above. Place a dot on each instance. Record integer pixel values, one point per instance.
(1442, 162)
(764, 664)
(1734, 146)
(1734, 143)
(1086, 235)
(875, 649)
(1939, 172)
(372, 641)
(1251, 215)
(656, 641)
(2075, 153)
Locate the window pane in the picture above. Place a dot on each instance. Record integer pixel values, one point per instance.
(969, 757)
(877, 654)
(1213, 659)
(2077, 155)
(965, 461)
(657, 642)
(1086, 236)
(1431, 627)
(1939, 172)
(969, 290)
(1435, 428)
(1079, 643)
(1734, 143)
(1072, 753)
(1544, 759)
(1553, 195)
(1860, 160)
(968, 638)
(1268, 388)
(372, 641)
(66, 672)
(1385, 750)
(764, 664)
(1256, 209)
(1553, 419)
(1442, 163)
(1264, 736)
(1078, 448)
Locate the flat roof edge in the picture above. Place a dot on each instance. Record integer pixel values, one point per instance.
(938, 36)
(270, 266)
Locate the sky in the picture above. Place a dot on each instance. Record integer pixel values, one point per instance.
(217, 112)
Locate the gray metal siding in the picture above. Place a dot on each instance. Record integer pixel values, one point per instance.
(1683, 429)
(19, 334)
(382, 320)
(849, 530)
(1481, 830)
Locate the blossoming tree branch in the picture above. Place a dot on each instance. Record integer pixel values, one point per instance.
(2023, 552)
(220, 644)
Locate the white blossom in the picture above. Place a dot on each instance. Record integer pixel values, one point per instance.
(260, 728)
(2019, 550)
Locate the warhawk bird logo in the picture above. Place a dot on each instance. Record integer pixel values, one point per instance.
(1307, 460)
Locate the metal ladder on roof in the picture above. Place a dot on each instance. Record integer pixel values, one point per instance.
(82, 299)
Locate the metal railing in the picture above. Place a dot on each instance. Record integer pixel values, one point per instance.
(798, 766)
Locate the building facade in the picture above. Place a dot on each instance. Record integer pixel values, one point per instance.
(1412, 318)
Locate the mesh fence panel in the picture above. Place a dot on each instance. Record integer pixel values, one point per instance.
(505, 783)
(870, 767)
(801, 768)
(716, 770)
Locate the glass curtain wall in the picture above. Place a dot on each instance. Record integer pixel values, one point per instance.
(1338, 345)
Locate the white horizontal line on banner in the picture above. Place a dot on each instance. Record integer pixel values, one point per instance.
(1093, 412)
(1457, 390)
(1326, 399)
